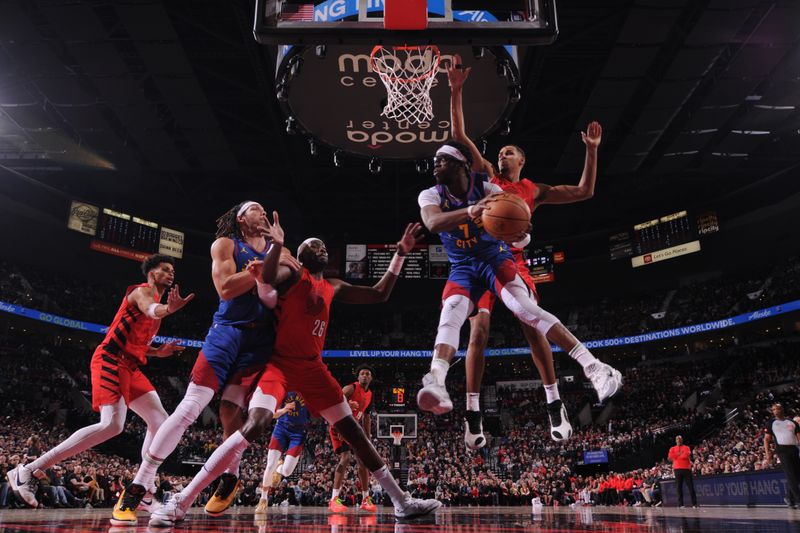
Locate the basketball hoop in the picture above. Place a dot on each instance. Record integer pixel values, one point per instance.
(408, 73)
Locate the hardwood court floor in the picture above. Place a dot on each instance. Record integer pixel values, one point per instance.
(449, 520)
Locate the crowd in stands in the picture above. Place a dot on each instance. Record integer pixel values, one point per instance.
(44, 380)
(384, 327)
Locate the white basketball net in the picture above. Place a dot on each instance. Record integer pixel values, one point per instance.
(408, 73)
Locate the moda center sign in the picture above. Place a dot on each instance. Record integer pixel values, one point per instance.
(337, 99)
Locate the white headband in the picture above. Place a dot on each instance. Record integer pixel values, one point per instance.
(245, 207)
(452, 152)
(306, 243)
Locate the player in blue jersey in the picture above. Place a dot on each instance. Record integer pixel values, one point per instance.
(233, 355)
(288, 436)
(452, 208)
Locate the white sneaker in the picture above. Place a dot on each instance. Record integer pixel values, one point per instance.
(414, 507)
(433, 397)
(168, 514)
(473, 430)
(24, 484)
(560, 428)
(606, 380)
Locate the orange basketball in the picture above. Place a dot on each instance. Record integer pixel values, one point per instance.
(506, 216)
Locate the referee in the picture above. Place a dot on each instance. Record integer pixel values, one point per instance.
(784, 432)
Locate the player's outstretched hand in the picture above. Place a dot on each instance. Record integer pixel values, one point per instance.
(457, 73)
(593, 135)
(165, 350)
(288, 261)
(409, 239)
(273, 231)
(174, 300)
(290, 406)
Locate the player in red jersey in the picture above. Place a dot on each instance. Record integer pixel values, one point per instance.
(296, 364)
(359, 397)
(117, 381)
(606, 380)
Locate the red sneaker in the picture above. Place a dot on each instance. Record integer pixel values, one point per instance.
(336, 506)
(368, 506)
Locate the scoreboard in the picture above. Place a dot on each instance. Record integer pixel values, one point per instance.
(126, 230)
(370, 261)
(662, 238)
(123, 234)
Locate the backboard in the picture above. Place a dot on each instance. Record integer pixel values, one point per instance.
(387, 422)
(465, 22)
(331, 95)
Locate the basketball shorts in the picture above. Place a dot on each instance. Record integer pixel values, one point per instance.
(311, 378)
(234, 357)
(475, 276)
(488, 298)
(288, 439)
(115, 377)
(337, 441)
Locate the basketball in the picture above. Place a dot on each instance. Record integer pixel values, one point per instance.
(506, 216)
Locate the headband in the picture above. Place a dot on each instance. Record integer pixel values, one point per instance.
(305, 243)
(453, 152)
(245, 207)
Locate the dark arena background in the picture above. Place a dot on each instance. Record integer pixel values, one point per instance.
(670, 247)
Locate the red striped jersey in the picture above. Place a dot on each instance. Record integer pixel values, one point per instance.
(131, 332)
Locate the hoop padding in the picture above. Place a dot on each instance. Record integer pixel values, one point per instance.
(407, 72)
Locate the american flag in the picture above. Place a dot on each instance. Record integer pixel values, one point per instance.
(298, 12)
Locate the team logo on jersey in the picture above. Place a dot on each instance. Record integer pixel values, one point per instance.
(315, 303)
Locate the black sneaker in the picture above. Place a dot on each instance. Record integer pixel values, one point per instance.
(473, 430)
(560, 428)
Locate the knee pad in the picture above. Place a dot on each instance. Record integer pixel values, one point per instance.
(519, 300)
(196, 399)
(455, 310)
(289, 464)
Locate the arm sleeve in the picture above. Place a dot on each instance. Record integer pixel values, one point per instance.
(490, 188)
(428, 197)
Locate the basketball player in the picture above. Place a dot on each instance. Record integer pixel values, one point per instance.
(288, 436)
(510, 162)
(234, 352)
(359, 397)
(296, 364)
(117, 381)
(453, 208)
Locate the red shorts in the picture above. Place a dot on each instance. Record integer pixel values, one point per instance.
(487, 299)
(114, 377)
(309, 377)
(339, 444)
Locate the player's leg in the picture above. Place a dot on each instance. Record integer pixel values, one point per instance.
(542, 355)
(147, 405)
(475, 363)
(363, 478)
(277, 444)
(324, 396)
(24, 479)
(456, 307)
(209, 374)
(519, 299)
(267, 396)
(342, 450)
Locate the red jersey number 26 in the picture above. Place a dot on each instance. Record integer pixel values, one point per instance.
(319, 328)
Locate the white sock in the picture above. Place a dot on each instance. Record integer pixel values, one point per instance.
(473, 401)
(390, 485)
(230, 450)
(233, 468)
(582, 355)
(364, 495)
(439, 368)
(334, 494)
(551, 392)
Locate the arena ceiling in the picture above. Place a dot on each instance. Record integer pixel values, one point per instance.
(167, 109)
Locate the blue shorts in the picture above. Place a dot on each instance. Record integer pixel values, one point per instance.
(473, 277)
(286, 438)
(229, 353)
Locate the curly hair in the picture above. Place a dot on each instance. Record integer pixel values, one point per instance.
(227, 226)
(154, 260)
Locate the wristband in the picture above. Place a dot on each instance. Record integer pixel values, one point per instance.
(523, 243)
(469, 211)
(151, 310)
(396, 264)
